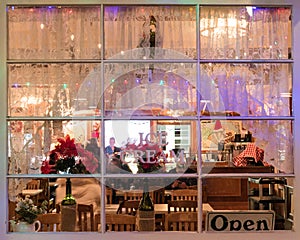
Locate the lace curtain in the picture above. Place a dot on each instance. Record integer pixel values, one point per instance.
(245, 32)
(50, 32)
(66, 33)
(128, 28)
(227, 32)
(256, 89)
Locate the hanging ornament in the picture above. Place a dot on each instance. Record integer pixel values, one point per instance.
(152, 27)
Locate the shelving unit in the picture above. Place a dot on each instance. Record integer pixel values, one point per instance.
(267, 197)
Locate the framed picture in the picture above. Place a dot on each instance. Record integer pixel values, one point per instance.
(215, 131)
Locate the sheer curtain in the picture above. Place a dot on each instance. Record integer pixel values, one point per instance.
(54, 32)
(248, 33)
(149, 32)
(244, 32)
(128, 28)
(255, 89)
(45, 32)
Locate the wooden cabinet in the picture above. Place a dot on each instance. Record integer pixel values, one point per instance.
(229, 193)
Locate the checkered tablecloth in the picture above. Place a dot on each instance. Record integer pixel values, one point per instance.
(251, 151)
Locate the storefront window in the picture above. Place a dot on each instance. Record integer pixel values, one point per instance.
(250, 32)
(147, 107)
(56, 90)
(247, 89)
(166, 89)
(150, 32)
(60, 32)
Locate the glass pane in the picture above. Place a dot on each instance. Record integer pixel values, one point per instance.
(142, 89)
(38, 146)
(249, 199)
(150, 32)
(167, 195)
(144, 146)
(43, 196)
(54, 32)
(245, 33)
(246, 146)
(53, 89)
(246, 89)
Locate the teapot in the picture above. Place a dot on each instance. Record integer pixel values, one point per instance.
(22, 226)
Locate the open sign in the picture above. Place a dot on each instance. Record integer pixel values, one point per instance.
(240, 221)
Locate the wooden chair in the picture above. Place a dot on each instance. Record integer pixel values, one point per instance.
(50, 222)
(85, 214)
(136, 195)
(158, 194)
(129, 207)
(57, 208)
(33, 184)
(97, 221)
(120, 222)
(181, 221)
(184, 194)
(289, 205)
(182, 206)
(109, 195)
(12, 215)
(133, 195)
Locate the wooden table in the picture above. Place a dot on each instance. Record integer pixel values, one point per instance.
(160, 208)
(33, 193)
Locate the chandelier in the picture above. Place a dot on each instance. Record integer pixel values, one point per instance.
(228, 27)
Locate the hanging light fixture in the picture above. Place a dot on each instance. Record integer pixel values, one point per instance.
(230, 24)
(220, 27)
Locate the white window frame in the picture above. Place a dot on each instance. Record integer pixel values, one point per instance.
(276, 235)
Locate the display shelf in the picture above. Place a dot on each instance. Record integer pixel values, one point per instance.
(266, 198)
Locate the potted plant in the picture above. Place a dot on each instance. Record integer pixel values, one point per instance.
(27, 214)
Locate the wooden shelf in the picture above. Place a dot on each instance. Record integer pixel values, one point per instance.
(268, 180)
(267, 199)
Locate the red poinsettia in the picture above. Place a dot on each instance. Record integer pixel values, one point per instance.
(65, 147)
(48, 168)
(88, 159)
(150, 161)
(67, 156)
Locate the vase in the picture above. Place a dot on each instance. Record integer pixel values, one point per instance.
(146, 216)
(68, 209)
(146, 203)
(27, 227)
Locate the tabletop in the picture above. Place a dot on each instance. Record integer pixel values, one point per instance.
(159, 208)
(31, 192)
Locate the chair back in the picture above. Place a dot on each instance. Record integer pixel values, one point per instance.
(11, 212)
(182, 206)
(120, 222)
(33, 184)
(136, 195)
(184, 194)
(109, 195)
(181, 221)
(133, 195)
(97, 221)
(158, 194)
(85, 215)
(50, 222)
(128, 207)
